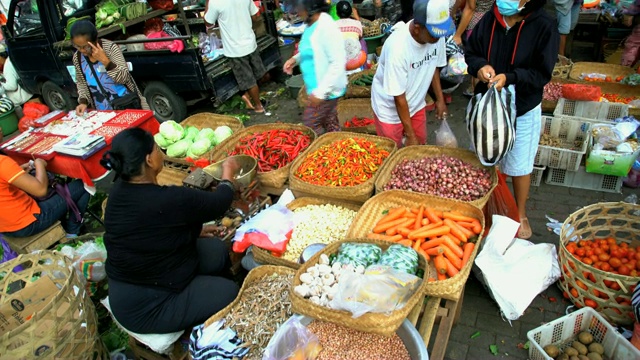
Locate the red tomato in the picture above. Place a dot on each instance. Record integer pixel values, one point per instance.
(624, 270)
(604, 257)
(615, 262)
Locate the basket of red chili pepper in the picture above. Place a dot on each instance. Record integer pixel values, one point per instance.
(275, 146)
(356, 115)
(341, 165)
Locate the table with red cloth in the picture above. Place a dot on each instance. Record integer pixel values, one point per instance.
(88, 169)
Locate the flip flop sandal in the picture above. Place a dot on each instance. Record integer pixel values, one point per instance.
(522, 233)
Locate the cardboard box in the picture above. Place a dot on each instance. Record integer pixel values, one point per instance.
(23, 304)
(608, 162)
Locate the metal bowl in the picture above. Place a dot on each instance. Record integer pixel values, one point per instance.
(247, 172)
(309, 251)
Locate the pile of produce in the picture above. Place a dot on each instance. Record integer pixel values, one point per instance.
(339, 342)
(615, 98)
(364, 80)
(632, 79)
(584, 347)
(180, 142)
(274, 148)
(358, 122)
(262, 308)
(446, 237)
(347, 162)
(317, 224)
(442, 176)
(552, 91)
(111, 12)
(554, 141)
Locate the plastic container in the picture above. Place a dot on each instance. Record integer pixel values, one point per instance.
(9, 122)
(294, 84)
(571, 131)
(562, 331)
(536, 175)
(590, 110)
(374, 42)
(583, 180)
(608, 162)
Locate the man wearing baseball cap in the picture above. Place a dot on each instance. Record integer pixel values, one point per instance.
(408, 66)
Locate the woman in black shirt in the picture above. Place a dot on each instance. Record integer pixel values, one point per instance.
(162, 274)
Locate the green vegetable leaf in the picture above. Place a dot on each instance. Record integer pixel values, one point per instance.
(475, 334)
(385, 212)
(494, 349)
(526, 345)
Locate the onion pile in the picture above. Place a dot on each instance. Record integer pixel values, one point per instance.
(443, 176)
(552, 91)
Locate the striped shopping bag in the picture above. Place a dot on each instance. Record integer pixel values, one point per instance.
(491, 124)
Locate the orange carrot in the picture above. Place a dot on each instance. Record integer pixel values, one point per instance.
(425, 221)
(424, 253)
(384, 237)
(405, 242)
(442, 276)
(432, 243)
(378, 229)
(468, 233)
(438, 250)
(477, 227)
(404, 231)
(451, 270)
(439, 214)
(456, 261)
(466, 225)
(440, 264)
(430, 214)
(467, 249)
(415, 210)
(439, 231)
(394, 230)
(455, 248)
(418, 224)
(457, 217)
(427, 227)
(416, 245)
(393, 214)
(456, 230)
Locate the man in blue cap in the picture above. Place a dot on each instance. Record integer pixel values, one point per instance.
(408, 66)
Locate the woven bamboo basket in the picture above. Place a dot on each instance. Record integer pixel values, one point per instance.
(373, 210)
(171, 176)
(253, 276)
(207, 120)
(66, 327)
(612, 70)
(602, 220)
(359, 193)
(563, 66)
(422, 151)
(360, 108)
(276, 178)
(303, 98)
(370, 28)
(357, 91)
(377, 323)
(265, 257)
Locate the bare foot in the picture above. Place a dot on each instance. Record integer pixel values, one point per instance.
(525, 229)
(246, 100)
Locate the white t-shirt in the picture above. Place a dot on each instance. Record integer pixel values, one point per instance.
(236, 27)
(405, 67)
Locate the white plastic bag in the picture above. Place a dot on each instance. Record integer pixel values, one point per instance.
(88, 260)
(275, 221)
(515, 270)
(292, 340)
(445, 137)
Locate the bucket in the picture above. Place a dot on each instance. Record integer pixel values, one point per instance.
(9, 122)
(294, 84)
(286, 50)
(374, 42)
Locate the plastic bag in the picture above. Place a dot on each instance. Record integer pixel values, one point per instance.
(456, 65)
(580, 92)
(445, 137)
(515, 270)
(7, 253)
(491, 124)
(611, 136)
(88, 260)
(381, 289)
(34, 110)
(501, 202)
(292, 340)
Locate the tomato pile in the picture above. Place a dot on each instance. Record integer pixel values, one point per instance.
(615, 98)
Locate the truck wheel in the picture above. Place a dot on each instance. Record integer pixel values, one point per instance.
(166, 104)
(56, 98)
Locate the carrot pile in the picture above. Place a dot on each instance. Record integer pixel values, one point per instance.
(446, 237)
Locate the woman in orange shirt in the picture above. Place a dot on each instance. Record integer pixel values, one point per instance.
(21, 214)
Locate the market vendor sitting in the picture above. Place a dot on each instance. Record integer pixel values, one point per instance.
(164, 276)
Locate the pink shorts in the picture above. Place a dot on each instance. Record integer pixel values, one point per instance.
(395, 132)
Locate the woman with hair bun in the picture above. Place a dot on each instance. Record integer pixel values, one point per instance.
(164, 275)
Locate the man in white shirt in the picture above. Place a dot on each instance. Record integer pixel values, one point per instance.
(239, 44)
(408, 67)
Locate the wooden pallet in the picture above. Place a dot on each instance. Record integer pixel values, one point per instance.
(443, 313)
(41, 241)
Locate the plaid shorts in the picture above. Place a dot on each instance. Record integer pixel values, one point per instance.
(247, 70)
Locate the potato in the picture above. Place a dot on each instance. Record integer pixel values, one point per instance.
(563, 357)
(227, 222)
(596, 348)
(571, 351)
(582, 350)
(574, 358)
(583, 357)
(552, 350)
(594, 356)
(585, 338)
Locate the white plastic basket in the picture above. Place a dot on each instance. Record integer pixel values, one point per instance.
(570, 131)
(591, 110)
(536, 175)
(562, 331)
(583, 180)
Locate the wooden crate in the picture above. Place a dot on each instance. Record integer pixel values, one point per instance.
(441, 313)
(40, 241)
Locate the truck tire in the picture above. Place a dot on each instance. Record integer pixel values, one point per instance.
(56, 98)
(166, 104)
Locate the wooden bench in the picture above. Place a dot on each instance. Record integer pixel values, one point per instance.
(437, 311)
(40, 241)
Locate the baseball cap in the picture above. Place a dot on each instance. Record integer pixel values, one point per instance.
(434, 15)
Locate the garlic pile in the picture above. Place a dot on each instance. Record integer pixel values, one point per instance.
(320, 281)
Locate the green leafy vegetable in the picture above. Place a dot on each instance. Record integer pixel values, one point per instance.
(179, 149)
(172, 131)
(494, 349)
(475, 334)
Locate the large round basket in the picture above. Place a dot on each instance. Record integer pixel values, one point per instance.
(358, 193)
(276, 178)
(359, 91)
(360, 108)
(375, 208)
(562, 68)
(599, 221)
(265, 257)
(423, 151)
(377, 323)
(611, 70)
(207, 120)
(59, 322)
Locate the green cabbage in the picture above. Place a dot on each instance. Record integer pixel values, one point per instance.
(172, 131)
(179, 149)
(161, 141)
(206, 133)
(221, 133)
(192, 155)
(200, 147)
(191, 133)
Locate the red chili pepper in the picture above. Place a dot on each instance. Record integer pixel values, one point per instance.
(273, 149)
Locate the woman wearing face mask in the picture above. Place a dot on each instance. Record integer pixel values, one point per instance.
(516, 44)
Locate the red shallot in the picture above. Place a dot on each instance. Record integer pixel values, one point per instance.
(552, 91)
